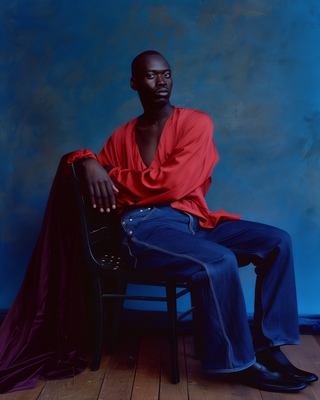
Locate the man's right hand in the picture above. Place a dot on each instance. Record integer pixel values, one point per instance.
(98, 183)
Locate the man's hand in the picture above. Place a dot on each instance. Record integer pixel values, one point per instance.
(98, 183)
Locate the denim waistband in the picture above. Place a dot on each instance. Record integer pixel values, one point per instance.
(160, 214)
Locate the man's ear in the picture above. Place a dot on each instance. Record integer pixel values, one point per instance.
(133, 83)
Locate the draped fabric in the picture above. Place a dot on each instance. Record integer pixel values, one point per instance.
(43, 335)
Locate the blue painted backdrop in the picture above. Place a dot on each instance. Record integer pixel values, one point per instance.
(254, 66)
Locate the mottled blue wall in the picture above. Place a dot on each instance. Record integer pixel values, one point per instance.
(254, 66)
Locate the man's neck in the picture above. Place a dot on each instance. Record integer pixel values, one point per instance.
(156, 116)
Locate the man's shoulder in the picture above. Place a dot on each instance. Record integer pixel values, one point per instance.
(193, 117)
(123, 129)
(190, 113)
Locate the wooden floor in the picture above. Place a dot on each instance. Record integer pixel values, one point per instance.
(140, 369)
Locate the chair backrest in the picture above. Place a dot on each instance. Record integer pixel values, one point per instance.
(101, 244)
(98, 230)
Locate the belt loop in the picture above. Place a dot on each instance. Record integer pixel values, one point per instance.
(191, 223)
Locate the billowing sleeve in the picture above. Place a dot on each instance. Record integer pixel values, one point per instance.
(77, 155)
(187, 168)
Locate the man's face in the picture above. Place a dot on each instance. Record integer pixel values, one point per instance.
(153, 80)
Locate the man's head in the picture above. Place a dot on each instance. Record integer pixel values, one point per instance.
(151, 77)
(135, 65)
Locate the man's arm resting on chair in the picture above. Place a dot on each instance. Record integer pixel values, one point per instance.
(98, 183)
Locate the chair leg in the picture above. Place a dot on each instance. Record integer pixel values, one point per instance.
(172, 318)
(194, 326)
(100, 322)
(118, 305)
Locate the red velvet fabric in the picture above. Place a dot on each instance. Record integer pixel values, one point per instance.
(44, 335)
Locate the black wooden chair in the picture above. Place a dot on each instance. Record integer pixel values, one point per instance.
(102, 255)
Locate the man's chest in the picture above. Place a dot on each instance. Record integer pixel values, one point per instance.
(147, 141)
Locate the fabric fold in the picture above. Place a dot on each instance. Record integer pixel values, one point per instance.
(44, 333)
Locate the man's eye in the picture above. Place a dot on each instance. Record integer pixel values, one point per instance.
(167, 75)
(150, 76)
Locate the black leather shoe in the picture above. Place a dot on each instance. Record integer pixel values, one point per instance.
(276, 361)
(260, 377)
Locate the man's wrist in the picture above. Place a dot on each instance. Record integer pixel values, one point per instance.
(108, 168)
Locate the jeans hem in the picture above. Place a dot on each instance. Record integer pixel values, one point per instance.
(229, 370)
(277, 344)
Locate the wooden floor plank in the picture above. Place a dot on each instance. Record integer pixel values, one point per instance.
(317, 339)
(204, 386)
(168, 391)
(305, 394)
(146, 373)
(147, 380)
(121, 370)
(85, 386)
(31, 394)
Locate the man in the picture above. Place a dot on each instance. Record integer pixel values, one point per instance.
(156, 170)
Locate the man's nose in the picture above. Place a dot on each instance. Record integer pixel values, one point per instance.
(160, 80)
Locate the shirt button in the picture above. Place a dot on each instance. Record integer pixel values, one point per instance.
(130, 233)
(141, 210)
(130, 219)
(123, 223)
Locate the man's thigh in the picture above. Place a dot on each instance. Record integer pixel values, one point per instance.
(248, 240)
(171, 247)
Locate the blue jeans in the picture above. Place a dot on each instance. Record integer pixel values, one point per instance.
(171, 242)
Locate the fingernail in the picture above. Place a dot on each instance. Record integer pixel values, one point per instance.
(94, 206)
(108, 209)
(101, 210)
(113, 206)
(115, 189)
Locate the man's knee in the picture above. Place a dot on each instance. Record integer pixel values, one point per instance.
(283, 238)
(225, 265)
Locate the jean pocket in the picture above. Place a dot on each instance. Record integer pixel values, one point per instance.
(132, 218)
(152, 211)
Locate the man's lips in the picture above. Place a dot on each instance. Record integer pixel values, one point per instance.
(162, 92)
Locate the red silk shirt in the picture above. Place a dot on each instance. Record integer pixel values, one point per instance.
(180, 173)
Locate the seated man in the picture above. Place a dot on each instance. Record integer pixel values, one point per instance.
(156, 170)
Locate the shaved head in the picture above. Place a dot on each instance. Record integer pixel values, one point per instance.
(136, 63)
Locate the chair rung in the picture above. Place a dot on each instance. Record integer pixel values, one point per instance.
(128, 297)
(163, 284)
(184, 314)
(182, 293)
